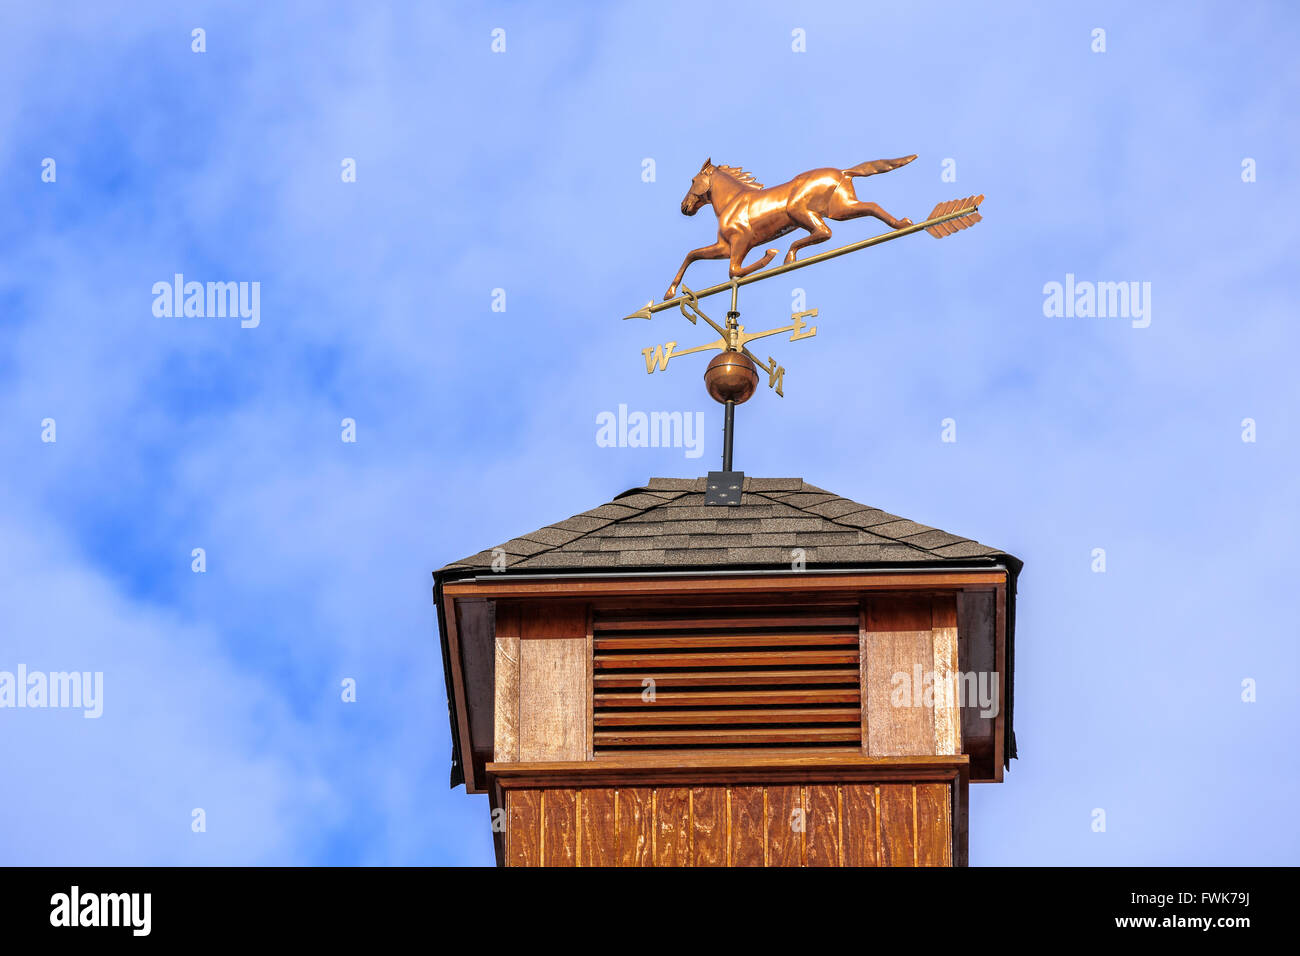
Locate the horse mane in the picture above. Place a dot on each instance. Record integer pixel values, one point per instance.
(739, 175)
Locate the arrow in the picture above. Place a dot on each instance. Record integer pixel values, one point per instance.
(945, 219)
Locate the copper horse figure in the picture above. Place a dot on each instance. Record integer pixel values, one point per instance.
(749, 214)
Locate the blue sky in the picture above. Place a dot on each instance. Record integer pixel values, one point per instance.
(522, 171)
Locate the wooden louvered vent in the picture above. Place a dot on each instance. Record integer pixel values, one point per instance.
(726, 678)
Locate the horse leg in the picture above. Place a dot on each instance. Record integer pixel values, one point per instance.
(817, 229)
(845, 205)
(738, 257)
(719, 250)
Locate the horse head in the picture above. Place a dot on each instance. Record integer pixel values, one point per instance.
(698, 194)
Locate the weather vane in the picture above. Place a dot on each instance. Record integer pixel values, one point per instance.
(750, 214)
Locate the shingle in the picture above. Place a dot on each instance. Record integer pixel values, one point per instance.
(641, 558)
(867, 519)
(652, 543)
(933, 539)
(610, 511)
(836, 507)
(689, 527)
(773, 484)
(759, 556)
(580, 524)
(865, 553)
(803, 500)
(967, 549)
(677, 484)
(552, 536)
(694, 556)
(791, 524)
(640, 501)
(818, 538)
(523, 547)
(900, 529)
(773, 539)
(714, 540)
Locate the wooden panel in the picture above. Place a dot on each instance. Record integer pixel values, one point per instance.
(478, 651)
(552, 699)
(635, 827)
(523, 828)
(597, 816)
(748, 829)
(897, 825)
(672, 826)
(815, 824)
(861, 826)
(823, 841)
(506, 694)
(559, 828)
(947, 718)
(709, 822)
(976, 655)
(933, 824)
(897, 640)
(785, 829)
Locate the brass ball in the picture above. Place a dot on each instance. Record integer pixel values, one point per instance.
(731, 377)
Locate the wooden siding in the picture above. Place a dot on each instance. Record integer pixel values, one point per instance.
(816, 824)
(908, 644)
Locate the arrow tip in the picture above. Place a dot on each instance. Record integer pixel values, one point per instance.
(641, 313)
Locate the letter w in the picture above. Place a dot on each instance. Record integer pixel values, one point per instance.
(658, 355)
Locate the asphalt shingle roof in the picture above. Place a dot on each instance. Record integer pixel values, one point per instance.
(666, 525)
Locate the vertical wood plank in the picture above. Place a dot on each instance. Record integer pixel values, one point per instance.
(860, 846)
(505, 744)
(673, 826)
(589, 718)
(597, 822)
(933, 824)
(822, 840)
(897, 825)
(554, 705)
(748, 827)
(863, 663)
(523, 828)
(552, 708)
(947, 718)
(784, 842)
(560, 828)
(635, 820)
(899, 641)
(709, 821)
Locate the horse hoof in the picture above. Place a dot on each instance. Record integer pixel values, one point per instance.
(903, 223)
(672, 291)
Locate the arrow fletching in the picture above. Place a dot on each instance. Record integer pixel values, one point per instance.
(957, 223)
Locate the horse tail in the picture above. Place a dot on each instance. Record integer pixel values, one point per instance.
(873, 166)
